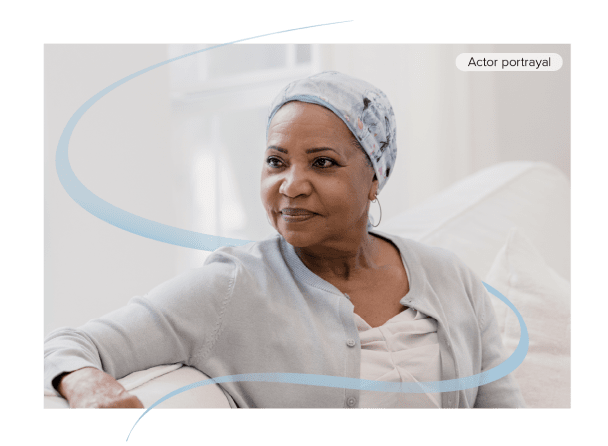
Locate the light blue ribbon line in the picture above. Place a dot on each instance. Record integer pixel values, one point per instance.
(450, 385)
(190, 239)
(119, 217)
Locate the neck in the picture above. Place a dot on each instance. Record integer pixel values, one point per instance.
(342, 260)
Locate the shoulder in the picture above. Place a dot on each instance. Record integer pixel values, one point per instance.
(226, 265)
(251, 264)
(425, 255)
(439, 266)
(252, 255)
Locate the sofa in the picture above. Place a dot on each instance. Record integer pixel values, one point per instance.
(510, 223)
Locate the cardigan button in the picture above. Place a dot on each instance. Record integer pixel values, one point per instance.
(351, 402)
(351, 343)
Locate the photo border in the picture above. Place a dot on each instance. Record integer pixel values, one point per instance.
(199, 22)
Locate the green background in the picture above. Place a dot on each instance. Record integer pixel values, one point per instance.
(28, 26)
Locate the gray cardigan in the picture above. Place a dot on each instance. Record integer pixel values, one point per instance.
(258, 309)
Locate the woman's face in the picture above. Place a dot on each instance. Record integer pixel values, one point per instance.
(316, 184)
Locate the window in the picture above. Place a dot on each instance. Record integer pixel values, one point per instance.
(219, 102)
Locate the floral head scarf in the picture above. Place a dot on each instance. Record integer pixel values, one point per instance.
(364, 109)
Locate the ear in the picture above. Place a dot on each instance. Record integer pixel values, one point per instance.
(373, 191)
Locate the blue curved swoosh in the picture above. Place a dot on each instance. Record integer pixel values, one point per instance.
(451, 385)
(181, 237)
(119, 217)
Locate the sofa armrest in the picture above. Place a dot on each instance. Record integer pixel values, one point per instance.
(153, 384)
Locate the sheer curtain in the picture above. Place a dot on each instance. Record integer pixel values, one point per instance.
(219, 102)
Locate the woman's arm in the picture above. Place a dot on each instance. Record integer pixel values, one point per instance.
(176, 321)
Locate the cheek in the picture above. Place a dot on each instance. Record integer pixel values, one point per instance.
(269, 188)
(347, 200)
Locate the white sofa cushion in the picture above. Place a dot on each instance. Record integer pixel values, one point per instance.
(472, 217)
(543, 299)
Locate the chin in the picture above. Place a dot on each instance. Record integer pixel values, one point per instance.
(301, 234)
(300, 239)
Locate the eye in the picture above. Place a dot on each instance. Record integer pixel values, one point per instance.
(274, 162)
(324, 163)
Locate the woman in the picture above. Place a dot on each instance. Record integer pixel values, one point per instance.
(328, 295)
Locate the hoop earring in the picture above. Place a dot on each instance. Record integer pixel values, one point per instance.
(375, 200)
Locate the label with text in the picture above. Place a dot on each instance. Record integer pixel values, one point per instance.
(509, 62)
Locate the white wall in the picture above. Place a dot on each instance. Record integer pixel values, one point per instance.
(530, 111)
(119, 151)
(449, 124)
(452, 123)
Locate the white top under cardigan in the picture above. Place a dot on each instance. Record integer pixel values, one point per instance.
(258, 309)
(403, 349)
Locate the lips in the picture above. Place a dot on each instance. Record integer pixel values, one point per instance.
(296, 212)
(296, 215)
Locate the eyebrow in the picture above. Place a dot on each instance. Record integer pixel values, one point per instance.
(314, 150)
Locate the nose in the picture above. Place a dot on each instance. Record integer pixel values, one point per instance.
(295, 183)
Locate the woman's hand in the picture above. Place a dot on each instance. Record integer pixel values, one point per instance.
(90, 387)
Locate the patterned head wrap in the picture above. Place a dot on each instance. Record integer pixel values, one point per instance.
(364, 109)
